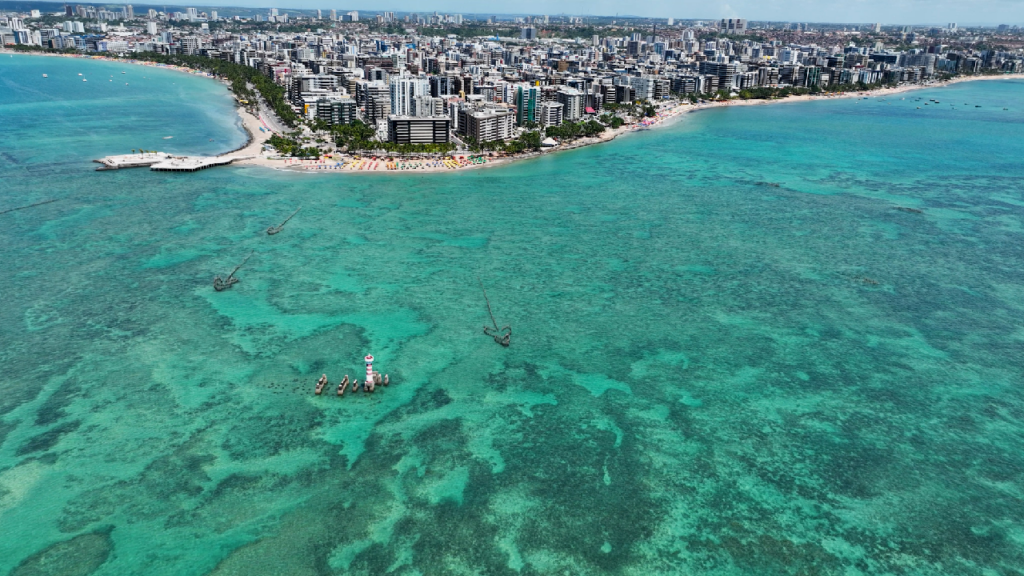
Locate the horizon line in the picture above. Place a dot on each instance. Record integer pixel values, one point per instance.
(204, 4)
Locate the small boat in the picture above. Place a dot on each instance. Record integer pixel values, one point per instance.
(84, 80)
(122, 71)
(79, 73)
(977, 106)
(45, 76)
(168, 137)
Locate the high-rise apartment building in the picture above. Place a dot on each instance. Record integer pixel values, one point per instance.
(374, 98)
(486, 123)
(550, 114)
(527, 100)
(339, 111)
(411, 130)
(733, 25)
(403, 90)
(572, 103)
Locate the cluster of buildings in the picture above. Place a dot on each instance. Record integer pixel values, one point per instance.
(428, 89)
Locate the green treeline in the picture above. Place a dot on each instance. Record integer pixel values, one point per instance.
(573, 130)
(527, 141)
(290, 147)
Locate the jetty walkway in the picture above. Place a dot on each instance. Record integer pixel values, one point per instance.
(164, 162)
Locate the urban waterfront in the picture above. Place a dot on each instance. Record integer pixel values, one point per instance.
(761, 340)
(403, 91)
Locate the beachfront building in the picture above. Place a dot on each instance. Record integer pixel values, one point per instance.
(550, 114)
(527, 100)
(624, 93)
(572, 103)
(642, 86)
(725, 71)
(486, 122)
(413, 130)
(339, 111)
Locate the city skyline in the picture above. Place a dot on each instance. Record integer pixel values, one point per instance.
(902, 12)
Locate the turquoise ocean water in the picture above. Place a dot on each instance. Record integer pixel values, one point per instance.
(708, 375)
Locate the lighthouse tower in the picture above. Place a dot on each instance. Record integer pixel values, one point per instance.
(369, 372)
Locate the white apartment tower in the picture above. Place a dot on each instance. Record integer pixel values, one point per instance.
(403, 90)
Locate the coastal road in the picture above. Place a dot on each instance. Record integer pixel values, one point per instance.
(271, 119)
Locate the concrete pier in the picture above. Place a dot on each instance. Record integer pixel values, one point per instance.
(132, 160)
(191, 163)
(163, 162)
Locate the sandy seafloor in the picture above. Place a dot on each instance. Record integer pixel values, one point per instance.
(708, 374)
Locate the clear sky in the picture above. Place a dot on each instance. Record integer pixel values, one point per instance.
(942, 12)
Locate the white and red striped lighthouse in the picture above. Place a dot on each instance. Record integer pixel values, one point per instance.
(369, 371)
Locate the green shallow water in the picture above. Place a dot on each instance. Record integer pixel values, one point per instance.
(701, 380)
